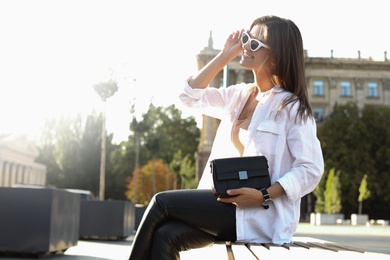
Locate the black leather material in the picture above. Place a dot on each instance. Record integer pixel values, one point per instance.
(180, 220)
(238, 172)
(175, 236)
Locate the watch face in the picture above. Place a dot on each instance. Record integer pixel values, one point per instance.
(267, 202)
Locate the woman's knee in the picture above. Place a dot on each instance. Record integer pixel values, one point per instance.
(180, 237)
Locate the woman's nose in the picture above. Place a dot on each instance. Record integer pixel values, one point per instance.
(246, 45)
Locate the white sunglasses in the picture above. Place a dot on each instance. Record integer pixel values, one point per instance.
(255, 44)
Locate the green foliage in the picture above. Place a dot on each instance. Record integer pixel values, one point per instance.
(164, 132)
(165, 135)
(186, 169)
(154, 177)
(70, 148)
(332, 201)
(377, 120)
(106, 89)
(188, 172)
(355, 142)
(319, 194)
(364, 193)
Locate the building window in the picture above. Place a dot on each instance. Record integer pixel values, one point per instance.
(318, 88)
(373, 89)
(345, 89)
(318, 113)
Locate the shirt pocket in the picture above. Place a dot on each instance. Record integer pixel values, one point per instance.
(268, 135)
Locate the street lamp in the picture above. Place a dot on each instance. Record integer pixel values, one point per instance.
(105, 90)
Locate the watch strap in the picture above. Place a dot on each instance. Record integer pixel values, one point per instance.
(266, 197)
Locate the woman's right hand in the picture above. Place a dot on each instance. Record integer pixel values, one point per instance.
(231, 49)
(233, 46)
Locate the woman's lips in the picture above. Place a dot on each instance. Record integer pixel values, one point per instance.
(246, 55)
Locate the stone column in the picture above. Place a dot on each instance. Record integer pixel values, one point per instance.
(385, 90)
(18, 174)
(332, 95)
(28, 175)
(25, 174)
(33, 177)
(6, 178)
(360, 95)
(13, 173)
(1, 173)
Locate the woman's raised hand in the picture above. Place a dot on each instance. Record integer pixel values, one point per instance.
(233, 47)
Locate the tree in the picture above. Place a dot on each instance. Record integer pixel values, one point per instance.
(66, 151)
(164, 135)
(319, 194)
(345, 147)
(185, 169)
(70, 147)
(46, 146)
(377, 121)
(139, 129)
(187, 173)
(121, 160)
(106, 89)
(332, 201)
(364, 193)
(164, 181)
(356, 142)
(166, 132)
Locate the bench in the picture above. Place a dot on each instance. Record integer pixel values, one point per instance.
(301, 248)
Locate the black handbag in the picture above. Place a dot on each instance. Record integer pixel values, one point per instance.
(238, 172)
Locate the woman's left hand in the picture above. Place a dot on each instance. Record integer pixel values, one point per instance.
(244, 197)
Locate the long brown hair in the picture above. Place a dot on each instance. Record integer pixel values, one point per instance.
(285, 40)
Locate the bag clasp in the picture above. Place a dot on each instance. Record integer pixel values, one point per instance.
(242, 175)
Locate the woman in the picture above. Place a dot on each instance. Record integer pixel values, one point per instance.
(270, 117)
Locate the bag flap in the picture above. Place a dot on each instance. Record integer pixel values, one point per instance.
(237, 175)
(236, 164)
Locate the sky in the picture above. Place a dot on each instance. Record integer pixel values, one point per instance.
(52, 52)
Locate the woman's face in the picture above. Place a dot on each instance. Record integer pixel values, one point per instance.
(258, 59)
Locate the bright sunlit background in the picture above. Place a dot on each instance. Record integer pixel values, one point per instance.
(53, 51)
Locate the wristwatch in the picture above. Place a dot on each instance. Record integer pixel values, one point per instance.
(267, 198)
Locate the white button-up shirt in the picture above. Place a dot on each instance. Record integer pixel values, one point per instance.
(290, 145)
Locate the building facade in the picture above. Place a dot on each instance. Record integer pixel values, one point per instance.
(330, 81)
(17, 162)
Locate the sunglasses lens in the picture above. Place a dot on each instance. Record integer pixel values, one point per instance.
(254, 45)
(244, 38)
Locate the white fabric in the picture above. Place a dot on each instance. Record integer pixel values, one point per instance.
(291, 147)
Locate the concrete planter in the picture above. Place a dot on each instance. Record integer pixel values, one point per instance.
(113, 219)
(326, 219)
(139, 213)
(38, 220)
(359, 219)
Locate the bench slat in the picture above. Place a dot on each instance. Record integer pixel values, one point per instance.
(241, 252)
(343, 248)
(215, 251)
(301, 248)
(261, 251)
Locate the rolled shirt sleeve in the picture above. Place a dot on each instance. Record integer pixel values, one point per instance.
(307, 160)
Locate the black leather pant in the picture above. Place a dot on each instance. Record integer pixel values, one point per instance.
(179, 220)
